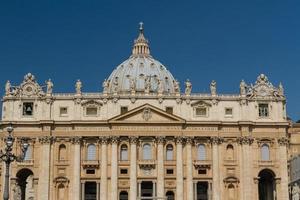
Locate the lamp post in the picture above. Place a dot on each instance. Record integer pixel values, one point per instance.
(8, 157)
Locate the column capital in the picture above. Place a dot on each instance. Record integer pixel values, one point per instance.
(189, 140)
(76, 140)
(179, 139)
(133, 139)
(46, 139)
(284, 141)
(245, 140)
(104, 139)
(160, 139)
(216, 140)
(114, 139)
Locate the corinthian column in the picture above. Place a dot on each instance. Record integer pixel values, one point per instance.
(44, 170)
(133, 169)
(215, 141)
(160, 167)
(103, 182)
(247, 167)
(179, 168)
(189, 168)
(76, 141)
(114, 168)
(283, 142)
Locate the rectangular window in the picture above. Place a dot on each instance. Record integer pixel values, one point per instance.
(228, 112)
(169, 110)
(91, 111)
(90, 171)
(263, 110)
(63, 111)
(123, 171)
(124, 109)
(28, 109)
(201, 171)
(170, 171)
(201, 112)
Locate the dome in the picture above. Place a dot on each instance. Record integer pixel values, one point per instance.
(141, 73)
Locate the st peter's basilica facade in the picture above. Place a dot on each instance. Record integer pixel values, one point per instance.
(146, 137)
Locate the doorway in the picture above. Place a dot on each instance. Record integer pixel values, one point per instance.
(146, 189)
(202, 189)
(90, 191)
(24, 188)
(266, 185)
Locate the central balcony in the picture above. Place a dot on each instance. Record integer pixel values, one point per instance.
(90, 164)
(200, 164)
(147, 164)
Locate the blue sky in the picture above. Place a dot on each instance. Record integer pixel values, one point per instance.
(201, 40)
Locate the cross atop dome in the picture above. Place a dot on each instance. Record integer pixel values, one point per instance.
(141, 46)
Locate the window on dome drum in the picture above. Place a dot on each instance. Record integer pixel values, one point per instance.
(28, 109)
(169, 110)
(228, 112)
(147, 152)
(63, 111)
(263, 110)
(201, 112)
(91, 111)
(265, 152)
(124, 109)
(28, 153)
(124, 152)
(91, 152)
(201, 152)
(169, 153)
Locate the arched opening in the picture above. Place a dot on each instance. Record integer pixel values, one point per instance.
(169, 152)
(123, 195)
(24, 188)
(229, 152)
(265, 152)
(124, 152)
(266, 185)
(91, 152)
(147, 152)
(170, 195)
(62, 152)
(201, 152)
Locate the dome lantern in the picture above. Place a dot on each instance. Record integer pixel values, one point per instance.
(141, 46)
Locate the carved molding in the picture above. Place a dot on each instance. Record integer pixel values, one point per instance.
(179, 140)
(245, 140)
(284, 141)
(216, 140)
(104, 139)
(160, 139)
(47, 139)
(76, 140)
(114, 139)
(133, 140)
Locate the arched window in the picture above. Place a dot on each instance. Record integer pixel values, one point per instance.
(170, 195)
(265, 152)
(147, 152)
(124, 152)
(91, 152)
(201, 152)
(28, 153)
(229, 152)
(169, 153)
(62, 154)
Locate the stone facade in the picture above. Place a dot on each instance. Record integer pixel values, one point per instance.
(143, 137)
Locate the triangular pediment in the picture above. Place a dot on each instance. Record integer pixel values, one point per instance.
(147, 114)
(201, 103)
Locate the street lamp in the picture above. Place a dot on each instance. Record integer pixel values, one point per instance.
(8, 157)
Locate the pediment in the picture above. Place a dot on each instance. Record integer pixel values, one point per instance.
(200, 103)
(147, 114)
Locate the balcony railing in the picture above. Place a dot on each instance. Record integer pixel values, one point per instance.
(266, 163)
(147, 164)
(26, 162)
(90, 163)
(200, 164)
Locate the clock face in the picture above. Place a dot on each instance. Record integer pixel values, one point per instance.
(28, 90)
(263, 91)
